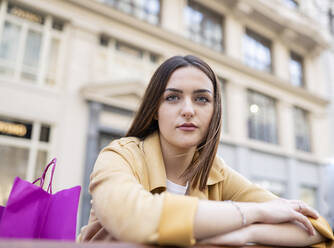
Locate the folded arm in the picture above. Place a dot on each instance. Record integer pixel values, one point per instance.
(226, 220)
(284, 234)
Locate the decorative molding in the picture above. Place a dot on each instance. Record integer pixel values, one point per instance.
(115, 94)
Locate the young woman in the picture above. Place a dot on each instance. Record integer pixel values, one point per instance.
(164, 183)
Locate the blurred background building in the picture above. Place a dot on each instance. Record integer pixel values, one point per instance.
(72, 73)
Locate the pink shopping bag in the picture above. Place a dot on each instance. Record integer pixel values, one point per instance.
(33, 213)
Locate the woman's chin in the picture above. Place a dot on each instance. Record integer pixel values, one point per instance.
(187, 145)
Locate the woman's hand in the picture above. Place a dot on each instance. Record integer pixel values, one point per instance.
(282, 210)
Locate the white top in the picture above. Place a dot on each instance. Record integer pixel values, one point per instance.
(176, 188)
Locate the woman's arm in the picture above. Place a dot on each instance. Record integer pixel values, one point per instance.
(285, 234)
(214, 218)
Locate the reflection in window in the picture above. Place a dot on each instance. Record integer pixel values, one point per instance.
(308, 194)
(146, 10)
(296, 70)
(203, 25)
(257, 51)
(302, 130)
(262, 117)
(13, 163)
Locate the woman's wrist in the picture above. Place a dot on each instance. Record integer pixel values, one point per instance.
(251, 211)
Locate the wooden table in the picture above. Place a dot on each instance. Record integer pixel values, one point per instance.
(19, 243)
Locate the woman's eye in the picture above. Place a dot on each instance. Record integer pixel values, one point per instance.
(172, 98)
(202, 99)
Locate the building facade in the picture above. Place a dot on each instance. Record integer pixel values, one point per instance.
(72, 74)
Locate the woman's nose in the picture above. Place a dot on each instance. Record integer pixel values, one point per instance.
(188, 109)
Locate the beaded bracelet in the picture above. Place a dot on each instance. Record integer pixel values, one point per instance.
(243, 217)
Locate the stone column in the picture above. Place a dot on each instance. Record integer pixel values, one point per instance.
(233, 39)
(172, 15)
(237, 111)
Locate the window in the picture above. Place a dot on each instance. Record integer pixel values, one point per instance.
(296, 70)
(302, 130)
(257, 51)
(129, 50)
(224, 103)
(115, 58)
(293, 4)
(146, 10)
(276, 187)
(262, 117)
(29, 45)
(203, 26)
(308, 194)
(24, 149)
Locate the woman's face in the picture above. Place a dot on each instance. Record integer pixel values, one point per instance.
(186, 108)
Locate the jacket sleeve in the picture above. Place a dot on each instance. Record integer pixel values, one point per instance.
(238, 188)
(130, 212)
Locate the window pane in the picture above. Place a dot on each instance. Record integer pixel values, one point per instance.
(13, 163)
(302, 130)
(257, 51)
(262, 118)
(146, 10)
(203, 25)
(41, 162)
(9, 47)
(31, 55)
(45, 133)
(296, 70)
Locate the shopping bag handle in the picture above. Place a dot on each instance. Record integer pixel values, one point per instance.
(42, 178)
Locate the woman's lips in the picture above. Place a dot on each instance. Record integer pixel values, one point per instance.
(187, 127)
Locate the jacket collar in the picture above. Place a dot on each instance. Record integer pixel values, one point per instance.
(156, 166)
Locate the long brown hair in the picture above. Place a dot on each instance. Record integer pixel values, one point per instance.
(144, 122)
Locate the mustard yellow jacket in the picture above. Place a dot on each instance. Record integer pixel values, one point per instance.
(130, 202)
